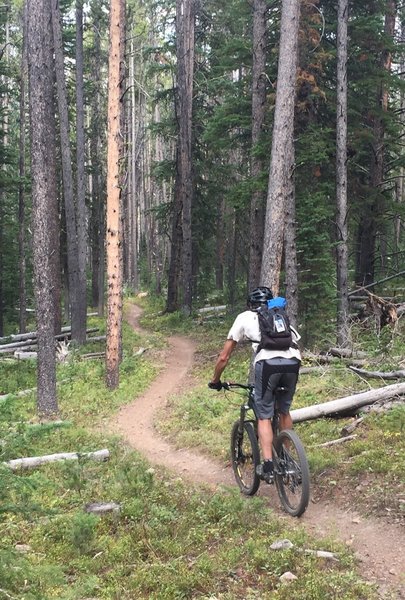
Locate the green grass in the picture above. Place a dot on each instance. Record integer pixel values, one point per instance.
(170, 540)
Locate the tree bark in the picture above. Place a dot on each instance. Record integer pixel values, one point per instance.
(185, 71)
(257, 204)
(67, 172)
(352, 403)
(21, 186)
(371, 219)
(81, 182)
(97, 177)
(44, 197)
(280, 161)
(290, 244)
(342, 252)
(114, 155)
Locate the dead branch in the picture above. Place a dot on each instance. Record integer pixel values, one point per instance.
(378, 374)
(347, 353)
(336, 442)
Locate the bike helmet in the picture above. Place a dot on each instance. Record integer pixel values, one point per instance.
(259, 296)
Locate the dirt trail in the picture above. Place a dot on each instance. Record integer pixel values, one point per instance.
(379, 546)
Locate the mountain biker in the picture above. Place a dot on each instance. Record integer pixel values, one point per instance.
(273, 369)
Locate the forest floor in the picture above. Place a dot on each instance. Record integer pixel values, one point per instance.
(378, 544)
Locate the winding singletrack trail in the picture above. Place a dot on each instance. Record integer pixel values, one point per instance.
(379, 546)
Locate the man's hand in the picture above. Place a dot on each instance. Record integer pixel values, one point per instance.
(215, 385)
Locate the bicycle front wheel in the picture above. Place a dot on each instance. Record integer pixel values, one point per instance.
(291, 473)
(245, 457)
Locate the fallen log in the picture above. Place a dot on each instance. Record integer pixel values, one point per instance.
(31, 342)
(336, 442)
(378, 374)
(100, 508)
(347, 353)
(327, 359)
(382, 407)
(30, 462)
(349, 403)
(31, 335)
(208, 309)
(350, 427)
(21, 355)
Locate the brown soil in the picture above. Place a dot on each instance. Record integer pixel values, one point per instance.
(379, 546)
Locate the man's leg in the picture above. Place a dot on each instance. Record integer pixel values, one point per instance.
(265, 438)
(286, 421)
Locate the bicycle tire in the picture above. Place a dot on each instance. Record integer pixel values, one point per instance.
(292, 473)
(245, 457)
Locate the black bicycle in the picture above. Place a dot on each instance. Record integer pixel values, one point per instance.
(291, 471)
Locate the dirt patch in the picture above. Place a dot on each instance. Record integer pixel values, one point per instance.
(379, 546)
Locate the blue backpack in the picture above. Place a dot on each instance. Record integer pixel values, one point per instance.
(274, 324)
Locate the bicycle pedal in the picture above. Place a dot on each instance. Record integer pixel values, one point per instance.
(267, 477)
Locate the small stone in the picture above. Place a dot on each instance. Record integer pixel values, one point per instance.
(287, 577)
(392, 572)
(355, 520)
(281, 545)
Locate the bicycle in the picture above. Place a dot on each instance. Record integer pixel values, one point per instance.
(291, 471)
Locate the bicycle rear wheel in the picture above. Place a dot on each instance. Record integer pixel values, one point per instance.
(245, 457)
(291, 473)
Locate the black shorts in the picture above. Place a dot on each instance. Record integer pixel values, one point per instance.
(269, 375)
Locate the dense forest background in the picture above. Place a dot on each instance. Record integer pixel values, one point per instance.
(230, 160)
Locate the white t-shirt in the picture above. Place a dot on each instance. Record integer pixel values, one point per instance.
(246, 327)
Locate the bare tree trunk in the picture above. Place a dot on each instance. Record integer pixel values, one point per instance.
(81, 182)
(43, 171)
(400, 182)
(114, 154)
(67, 173)
(21, 186)
(185, 73)
(342, 252)
(257, 205)
(369, 225)
(97, 195)
(281, 156)
(290, 245)
(220, 245)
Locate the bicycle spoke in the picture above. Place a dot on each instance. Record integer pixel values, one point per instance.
(292, 476)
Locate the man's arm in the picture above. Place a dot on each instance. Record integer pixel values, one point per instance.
(223, 359)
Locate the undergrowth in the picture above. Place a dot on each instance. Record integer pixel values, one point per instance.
(169, 540)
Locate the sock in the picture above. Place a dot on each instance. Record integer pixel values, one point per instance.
(268, 466)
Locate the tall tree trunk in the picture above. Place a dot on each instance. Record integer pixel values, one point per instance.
(220, 245)
(133, 196)
(67, 172)
(114, 155)
(370, 226)
(257, 205)
(342, 253)
(290, 244)
(281, 156)
(185, 72)
(43, 171)
(21, 186)
(97, 195)
(81, 182)
(400, 187)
